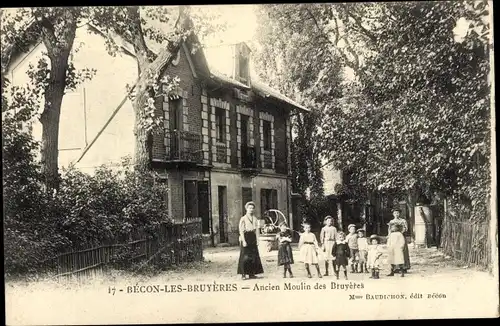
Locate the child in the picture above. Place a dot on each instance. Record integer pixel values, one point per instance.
(285, 256)
(352, 241)
(374, 254)
(395, 249)
(308, 246)
(327, 237)
(341, 253)
(362, 250)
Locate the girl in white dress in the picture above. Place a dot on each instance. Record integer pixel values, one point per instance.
(374, 254)
(308, 246)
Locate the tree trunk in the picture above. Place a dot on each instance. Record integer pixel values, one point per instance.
(58, 49)
(50, 117)
(410, 202)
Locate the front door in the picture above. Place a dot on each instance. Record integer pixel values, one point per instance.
(204, 206)
(222, 197)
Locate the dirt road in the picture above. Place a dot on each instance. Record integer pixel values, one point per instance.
(436, 287)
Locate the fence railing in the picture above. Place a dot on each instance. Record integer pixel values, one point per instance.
(169, 244)
(184, 146)
(467, 242)
(248, 157)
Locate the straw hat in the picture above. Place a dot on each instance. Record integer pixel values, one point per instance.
(250, 203)
(351, 226)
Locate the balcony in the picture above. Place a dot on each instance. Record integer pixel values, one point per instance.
(249, 161)
(185, 147)
(268, 160)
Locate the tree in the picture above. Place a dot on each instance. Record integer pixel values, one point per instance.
(286, 35)
(54, 74)
(426, 125)
(145, 27)
(391, 126)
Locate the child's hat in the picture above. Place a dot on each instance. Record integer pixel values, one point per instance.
(351, 226)
(328, 217)
(374, 236)
(361, 230)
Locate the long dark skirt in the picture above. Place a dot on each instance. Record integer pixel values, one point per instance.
(285, 255)
(249, 262)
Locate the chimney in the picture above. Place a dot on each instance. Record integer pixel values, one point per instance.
(242, 63)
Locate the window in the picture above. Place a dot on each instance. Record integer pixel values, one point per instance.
(163, 182)
(243, 68)
(267, 135)
(220, 119)
(191, 198)
(268, 199)
(246, 196)
(175, 114)
(244, 129)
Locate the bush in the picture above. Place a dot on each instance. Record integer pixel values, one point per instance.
(87, 210)
(109, 205)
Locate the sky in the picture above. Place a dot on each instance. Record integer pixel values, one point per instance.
(241, 27)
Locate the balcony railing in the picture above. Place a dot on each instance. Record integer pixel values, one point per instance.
(185, 147)
(221, 153)
(268, 160)
(248, 157)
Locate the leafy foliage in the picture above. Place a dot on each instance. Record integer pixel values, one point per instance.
(287, 35)
(155, 34)
(414, 116)
(87, 210)
(54, 73)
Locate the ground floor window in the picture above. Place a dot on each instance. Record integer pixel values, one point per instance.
(246, 196)
(268, 199)
(191, 198)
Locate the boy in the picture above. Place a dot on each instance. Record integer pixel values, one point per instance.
(362, 250)
(352, 242)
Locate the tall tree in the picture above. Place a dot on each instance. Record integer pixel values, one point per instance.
(54, 73)
(392, 123)
(156, 33)
(286, 35)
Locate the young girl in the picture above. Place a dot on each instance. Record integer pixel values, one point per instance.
(374, 254)
(327, 237)
(308, 246)
(352, 241)
(362, 250)
(395, 249)
(285, 257)
(341, 254)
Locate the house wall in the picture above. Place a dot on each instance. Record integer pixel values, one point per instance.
(85, 110)
(191, 91)
(234, 182)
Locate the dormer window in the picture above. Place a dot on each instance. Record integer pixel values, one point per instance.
(242, 63)
(243, 69)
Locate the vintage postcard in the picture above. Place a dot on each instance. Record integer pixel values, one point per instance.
(249, 163)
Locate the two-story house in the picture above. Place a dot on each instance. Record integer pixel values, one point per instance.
(226, 138)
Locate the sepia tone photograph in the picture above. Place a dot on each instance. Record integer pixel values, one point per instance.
(249, 163)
